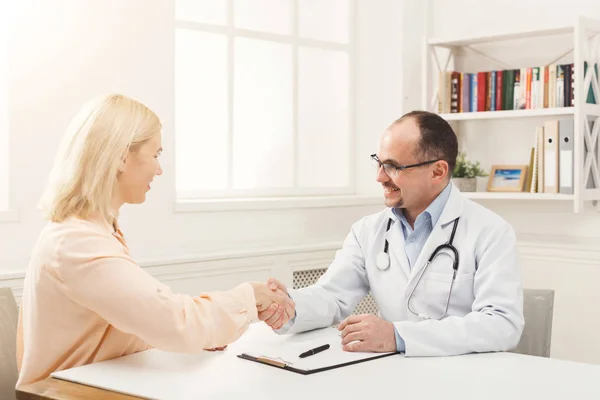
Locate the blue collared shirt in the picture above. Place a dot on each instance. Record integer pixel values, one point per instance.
(414, 239)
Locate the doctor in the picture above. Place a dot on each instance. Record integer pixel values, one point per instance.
(464, 297)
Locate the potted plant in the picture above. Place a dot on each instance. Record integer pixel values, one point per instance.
(465, 174)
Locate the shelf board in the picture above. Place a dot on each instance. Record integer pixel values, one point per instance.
(516, 196)
(541, 112)
(501, 37)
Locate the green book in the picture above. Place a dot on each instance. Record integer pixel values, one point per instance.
(590, 96)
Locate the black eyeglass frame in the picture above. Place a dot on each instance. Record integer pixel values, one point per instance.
(400, 167)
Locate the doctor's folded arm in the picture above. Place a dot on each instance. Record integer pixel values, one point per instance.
(442, 269)
(85, 299)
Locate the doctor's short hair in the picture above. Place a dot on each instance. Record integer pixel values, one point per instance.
(84, 175)
(438, 139)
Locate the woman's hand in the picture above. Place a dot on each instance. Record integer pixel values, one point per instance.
(217, 348)
(273, 304)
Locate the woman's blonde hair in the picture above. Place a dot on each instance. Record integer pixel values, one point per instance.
(84, 175)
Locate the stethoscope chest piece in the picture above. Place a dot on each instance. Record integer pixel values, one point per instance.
(382, 261)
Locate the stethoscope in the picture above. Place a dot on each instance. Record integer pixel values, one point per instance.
(383, 262)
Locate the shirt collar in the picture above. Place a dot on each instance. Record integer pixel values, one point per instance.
(433, 211)
(436, 207)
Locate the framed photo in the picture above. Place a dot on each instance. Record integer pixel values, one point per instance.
(507, 178)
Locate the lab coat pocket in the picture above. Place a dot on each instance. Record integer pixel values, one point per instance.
(432, 293)
(447, 277)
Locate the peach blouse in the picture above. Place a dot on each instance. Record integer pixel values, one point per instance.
(85, 300)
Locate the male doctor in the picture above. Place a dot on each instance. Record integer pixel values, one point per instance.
(459, 303)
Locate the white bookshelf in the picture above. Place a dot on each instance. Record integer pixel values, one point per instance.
(517, 196)
(584, 34)
(457, 42)
(542, 112)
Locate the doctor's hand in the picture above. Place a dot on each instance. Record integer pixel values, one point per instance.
(368, 332)
(274, 306)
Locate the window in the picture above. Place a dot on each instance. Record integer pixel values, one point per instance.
(3, 112)
(263, 92)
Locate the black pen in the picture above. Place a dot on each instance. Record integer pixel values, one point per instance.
(314, 351)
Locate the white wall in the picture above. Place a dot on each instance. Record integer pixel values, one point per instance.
(65, 51)
(560, 250)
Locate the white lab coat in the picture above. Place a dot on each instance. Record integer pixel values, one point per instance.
(486, 306)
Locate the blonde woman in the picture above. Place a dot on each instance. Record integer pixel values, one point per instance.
(85, 299)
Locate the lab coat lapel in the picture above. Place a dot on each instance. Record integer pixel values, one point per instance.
(440, 233)
(396, 242)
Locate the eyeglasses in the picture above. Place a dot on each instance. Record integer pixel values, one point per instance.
(392, 169)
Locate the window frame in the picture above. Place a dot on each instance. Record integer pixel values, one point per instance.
(7, 214)
(267, 197)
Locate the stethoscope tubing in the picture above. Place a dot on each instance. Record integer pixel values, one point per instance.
(449, 246)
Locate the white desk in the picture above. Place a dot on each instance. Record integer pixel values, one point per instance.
(222, 375)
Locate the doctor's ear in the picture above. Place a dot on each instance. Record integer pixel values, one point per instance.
(440, 170)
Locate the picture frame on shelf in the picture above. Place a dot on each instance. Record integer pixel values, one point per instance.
(507, 178)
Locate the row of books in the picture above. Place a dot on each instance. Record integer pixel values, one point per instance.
(549, 86)
(551, 162)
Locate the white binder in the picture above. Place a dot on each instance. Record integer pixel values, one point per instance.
(551, 149)
(565, 131)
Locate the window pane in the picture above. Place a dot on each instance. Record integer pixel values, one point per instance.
(323, 118)
(274, 16)
(4, 153)
(206, 11)
(201, 116)
(324, 20)
(263, 115)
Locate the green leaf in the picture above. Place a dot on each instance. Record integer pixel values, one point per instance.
(467, 169)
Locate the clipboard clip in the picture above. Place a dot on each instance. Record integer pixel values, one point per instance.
(277, 361)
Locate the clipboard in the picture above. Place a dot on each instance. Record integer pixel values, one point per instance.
(282, 351)
(278, 363)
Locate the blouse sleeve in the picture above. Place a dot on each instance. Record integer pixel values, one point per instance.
(97, 273)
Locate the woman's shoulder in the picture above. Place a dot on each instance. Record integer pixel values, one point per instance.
(70, 242)
(75, 226)
(78, 235)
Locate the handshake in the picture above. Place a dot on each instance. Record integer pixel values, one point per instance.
(274, 305)
(359, 333)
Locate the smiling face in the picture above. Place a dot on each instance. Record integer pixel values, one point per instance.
(414, 188)
(137, 171)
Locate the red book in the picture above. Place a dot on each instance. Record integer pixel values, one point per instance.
(482, 83)
(528, 90)
(499, 90)
(546, 86)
